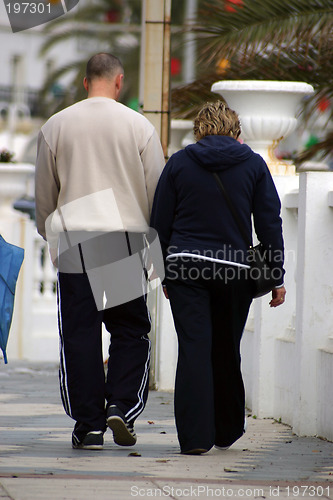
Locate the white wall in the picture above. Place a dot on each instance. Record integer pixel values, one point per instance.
(290, 373)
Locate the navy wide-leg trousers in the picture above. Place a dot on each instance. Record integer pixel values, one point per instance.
(210, 304)
(85, 390)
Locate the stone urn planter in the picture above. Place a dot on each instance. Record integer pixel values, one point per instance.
(267, 110)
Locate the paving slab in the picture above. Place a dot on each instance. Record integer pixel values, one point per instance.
(37, 461)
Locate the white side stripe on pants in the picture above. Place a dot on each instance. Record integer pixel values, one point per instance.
(137, 409)
(62, 369)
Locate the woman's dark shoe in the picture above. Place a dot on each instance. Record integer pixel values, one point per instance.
(194, 451)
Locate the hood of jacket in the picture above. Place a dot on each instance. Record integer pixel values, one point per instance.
(218, 152)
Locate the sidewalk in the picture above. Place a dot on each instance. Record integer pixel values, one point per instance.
(38, 463)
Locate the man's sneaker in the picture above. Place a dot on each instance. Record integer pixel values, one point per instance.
(91, 441)
(123, 432)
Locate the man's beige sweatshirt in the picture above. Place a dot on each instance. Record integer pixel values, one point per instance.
(98, 164)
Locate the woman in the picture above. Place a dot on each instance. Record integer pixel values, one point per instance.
(206, 264)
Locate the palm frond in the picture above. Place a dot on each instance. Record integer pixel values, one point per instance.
(304, 64)
(75, 67)
(61, 37)
(86, 23)
(262, 26)
(186, 100)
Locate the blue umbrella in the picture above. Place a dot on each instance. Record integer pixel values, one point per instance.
(11, 258)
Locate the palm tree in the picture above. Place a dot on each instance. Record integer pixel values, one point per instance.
(263, 39)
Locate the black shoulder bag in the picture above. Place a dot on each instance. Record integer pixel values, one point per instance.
(261, 273)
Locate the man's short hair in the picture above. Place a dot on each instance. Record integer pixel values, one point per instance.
(103, 65)
(216, 118)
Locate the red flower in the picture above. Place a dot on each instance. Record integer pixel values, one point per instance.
(228, 6)
(324, 104)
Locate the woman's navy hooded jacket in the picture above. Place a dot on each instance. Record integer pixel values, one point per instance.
(190, 213)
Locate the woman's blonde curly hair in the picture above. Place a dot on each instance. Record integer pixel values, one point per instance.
(215, 118)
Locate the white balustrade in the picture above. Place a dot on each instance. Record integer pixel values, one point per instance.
(38, 267)
(14, 182)
(45, 275)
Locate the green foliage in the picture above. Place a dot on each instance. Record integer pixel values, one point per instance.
(266, 26)
(6, 156)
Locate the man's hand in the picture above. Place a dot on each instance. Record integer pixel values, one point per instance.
(278, 296)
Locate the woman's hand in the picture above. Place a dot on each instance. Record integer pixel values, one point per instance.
(165, 291)
(278, 296)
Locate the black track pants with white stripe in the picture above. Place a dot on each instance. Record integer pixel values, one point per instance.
(84, 389)
(210, 304)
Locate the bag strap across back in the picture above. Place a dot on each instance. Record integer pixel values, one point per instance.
(232, 209)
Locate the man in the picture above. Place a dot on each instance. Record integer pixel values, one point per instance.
(98, 163)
